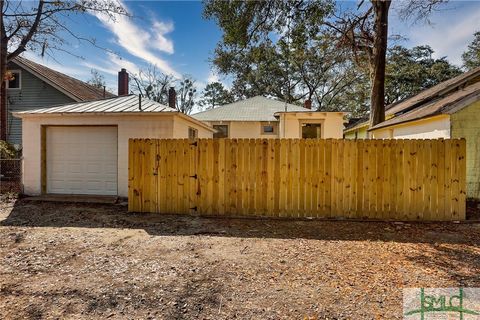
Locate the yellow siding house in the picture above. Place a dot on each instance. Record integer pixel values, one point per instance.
(450, 109)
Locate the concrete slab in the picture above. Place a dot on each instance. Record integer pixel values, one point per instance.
(74, 198)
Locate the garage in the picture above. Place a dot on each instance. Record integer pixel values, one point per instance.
(81, 160)
(82, 148)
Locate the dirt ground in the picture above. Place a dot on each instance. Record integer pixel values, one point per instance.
(85, 261)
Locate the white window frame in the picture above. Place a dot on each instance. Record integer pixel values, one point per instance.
(274, 127)
(19, 80)
(223, 124)
(195, 131)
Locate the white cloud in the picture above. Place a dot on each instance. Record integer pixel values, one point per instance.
(113, 65)
(450, 32)
(160, 29)
(142, 43)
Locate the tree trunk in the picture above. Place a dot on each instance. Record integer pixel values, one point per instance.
(3, 70)
(377, 95)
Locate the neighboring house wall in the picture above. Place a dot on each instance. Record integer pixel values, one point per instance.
(466, 124)
(360, 133)
(247, 129)
(129, 126)
(180, 129)
(430, 128)
(33, 94)
(331, 124)
(251, 130)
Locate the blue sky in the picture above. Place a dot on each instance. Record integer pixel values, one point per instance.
(174, 36)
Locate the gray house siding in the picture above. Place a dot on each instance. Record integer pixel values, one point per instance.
(33, 94)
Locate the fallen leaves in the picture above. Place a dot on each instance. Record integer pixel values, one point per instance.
(98, 261)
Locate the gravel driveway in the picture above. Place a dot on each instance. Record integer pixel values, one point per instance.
(86, 261)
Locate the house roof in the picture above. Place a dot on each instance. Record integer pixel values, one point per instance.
(253, 109)
(127, 105)
(438, 90)
(356, 123)
(442, 98)
(444, 105)
(74, 88)
(121, 104)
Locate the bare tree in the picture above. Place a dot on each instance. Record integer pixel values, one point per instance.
(152, 84)
(186, 93)
(365, 31)
(97, 80)
(39, 26)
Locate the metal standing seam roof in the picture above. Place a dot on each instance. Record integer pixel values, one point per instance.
(80, 90)
(253, 109)
(121, 104)
(117, 105)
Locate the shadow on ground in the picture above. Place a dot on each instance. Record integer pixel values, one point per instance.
(24, 213)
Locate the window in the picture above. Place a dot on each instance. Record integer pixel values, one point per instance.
(268, 129)
(13, 79)
(192, 133)
(222, 131)
(311, 131)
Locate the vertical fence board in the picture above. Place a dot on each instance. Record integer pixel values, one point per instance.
(315, 177)
(271, 177)
(309, 172)
(276, 179)
(328, 178)
(448, 178)
(462, 176)
(252, 176)
(455, 184)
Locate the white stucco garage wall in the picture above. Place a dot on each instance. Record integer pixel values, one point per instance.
(129, 126)
(430, 128)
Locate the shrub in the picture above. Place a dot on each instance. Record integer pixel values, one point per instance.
(7, 151)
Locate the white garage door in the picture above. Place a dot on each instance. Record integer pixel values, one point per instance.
(82, 160)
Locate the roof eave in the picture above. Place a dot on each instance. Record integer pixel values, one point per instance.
(22, 114)
(199, 122)
(435, 115)
(358, 126)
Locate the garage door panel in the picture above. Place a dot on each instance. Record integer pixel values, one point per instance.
(82, 160)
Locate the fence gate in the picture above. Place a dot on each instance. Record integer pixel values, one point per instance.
(376, 179)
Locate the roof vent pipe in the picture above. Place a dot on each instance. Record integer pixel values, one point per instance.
(140, 102)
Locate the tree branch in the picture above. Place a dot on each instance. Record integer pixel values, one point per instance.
(31, 32)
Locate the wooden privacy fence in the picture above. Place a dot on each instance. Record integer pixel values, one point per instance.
(376, 179)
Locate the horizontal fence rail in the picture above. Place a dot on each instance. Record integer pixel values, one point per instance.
(363, 179)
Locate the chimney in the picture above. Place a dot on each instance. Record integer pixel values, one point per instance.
(122, 82)
(308, 104)
(172, 97)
